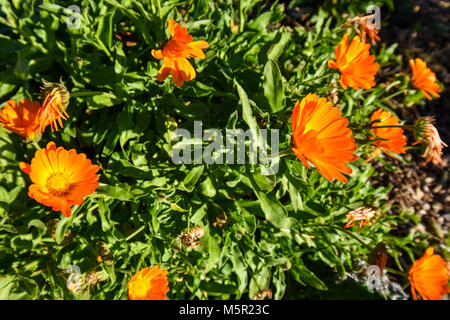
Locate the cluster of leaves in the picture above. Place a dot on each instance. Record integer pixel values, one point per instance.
(282, 232)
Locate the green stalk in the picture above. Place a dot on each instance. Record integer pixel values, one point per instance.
(91, 93)
(318, 78)
(131, 236)
(36, 145)
(403, 274)
(394, 94)
(410, 127)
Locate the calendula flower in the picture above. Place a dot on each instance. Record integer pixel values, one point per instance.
(363, 214)
(320, 135)
(428, 276)
(392, 137)
(56, 100)
(424, 79)
(176, 52)
(427, 134)
(355, 63)
(22, 118)
(148, 284)
(60, 178)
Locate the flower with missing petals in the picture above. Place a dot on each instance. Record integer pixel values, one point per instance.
(427, 134)
(368, 28)
(176, 52)
(424, 79)
(22, 118)
(320, 135)
(56, 100)
(355, 63)
(363, 214)
(429, 276)
(390, 137)
(148, 284)
(60, 178)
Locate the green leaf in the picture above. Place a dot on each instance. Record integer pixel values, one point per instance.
(273, 86)
(105, 28)
(240, 269)
(6, 285)
(215, 287)
(8, 228)
(247, 114)
(207, 188)
(61, 229)
(273, 210)
(199, 214)
(191, 178)
(114, 192)
(211, 246)
(37, 224)
(304, 275)
(277, 49)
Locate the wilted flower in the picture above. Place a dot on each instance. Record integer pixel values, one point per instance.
(22, 118)
(320, 135)
(368, 29)
(92, 278)
(56, 100)
(197, 232)
(148, 284)
(428, 275)
(424, 79)
(355, 63)
(176, 52)
(363, 214)
(427, 134)
(263, 295)
(189, 238)
(60, 178)
(391, 137)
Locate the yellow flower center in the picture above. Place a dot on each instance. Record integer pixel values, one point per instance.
(58, 184)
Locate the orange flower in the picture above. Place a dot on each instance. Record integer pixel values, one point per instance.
(176, 52)
(355, 63)
(393, 139)
(60, 178)
(424, 79)
(361, 214)
(429, 276)
(22, 119)
(148, 284)
(320, 135)
(427, 133)
(54, 106)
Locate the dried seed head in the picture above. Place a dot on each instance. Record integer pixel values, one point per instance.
(92, 278)
(197, 232)
(186, 238)
(263, 294)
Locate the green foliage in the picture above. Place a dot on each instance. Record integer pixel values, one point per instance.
(260, 231)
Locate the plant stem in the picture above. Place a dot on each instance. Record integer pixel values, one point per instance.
(403, 274)
(394, 94)
(36, 145)
(91, 93)
(318, 78)
(135, 233)
(281, 154)
(410, 127)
